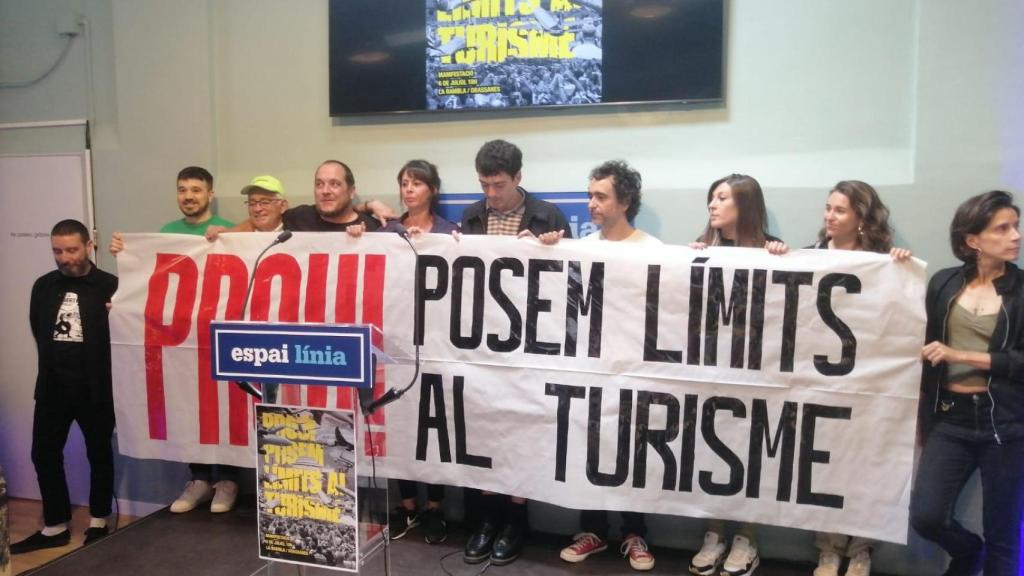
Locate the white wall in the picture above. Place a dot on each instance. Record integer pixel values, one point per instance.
(920, 98)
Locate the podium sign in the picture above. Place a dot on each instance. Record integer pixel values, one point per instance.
(314, 508)
(282, 353)
(307, 492)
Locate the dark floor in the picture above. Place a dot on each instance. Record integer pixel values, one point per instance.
(192, 544)
(411, 555)
(200, 543)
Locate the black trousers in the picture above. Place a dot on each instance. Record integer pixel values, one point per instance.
(410, 489)
(50, 427)
(596, 522)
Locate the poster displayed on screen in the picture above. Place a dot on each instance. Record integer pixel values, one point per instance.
(306, 488)
(502, 54)
(443, 55)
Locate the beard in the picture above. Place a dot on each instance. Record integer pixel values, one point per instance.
(194, 209)
(74, 269)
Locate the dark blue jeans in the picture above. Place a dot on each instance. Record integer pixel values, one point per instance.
(961, 442)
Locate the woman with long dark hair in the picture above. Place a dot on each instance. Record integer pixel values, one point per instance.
(736, 214)
(972, 390)
(736, 217)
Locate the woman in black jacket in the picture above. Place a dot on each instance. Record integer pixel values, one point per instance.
(973, 390)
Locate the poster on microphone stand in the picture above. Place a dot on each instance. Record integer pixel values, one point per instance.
(306, 489)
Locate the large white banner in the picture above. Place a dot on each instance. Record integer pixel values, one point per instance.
(725, 383)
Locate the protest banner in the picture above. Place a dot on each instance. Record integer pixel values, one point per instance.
(724, 383)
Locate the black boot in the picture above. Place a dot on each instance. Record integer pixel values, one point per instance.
(480, 543)
(509, 544)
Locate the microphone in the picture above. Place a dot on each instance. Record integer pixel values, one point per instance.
(386, 398)
(393, 394)
(402, 231)
(280, 239)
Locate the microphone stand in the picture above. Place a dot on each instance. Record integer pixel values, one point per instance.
(393, 394)
(281, 239)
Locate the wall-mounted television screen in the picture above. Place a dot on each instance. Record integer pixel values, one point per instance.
(442, 55)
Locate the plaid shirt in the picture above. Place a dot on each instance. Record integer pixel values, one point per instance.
(506, 223)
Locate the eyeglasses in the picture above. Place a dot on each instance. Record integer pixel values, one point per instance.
(260, 203)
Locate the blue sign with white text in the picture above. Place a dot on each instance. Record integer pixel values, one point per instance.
(325, 354)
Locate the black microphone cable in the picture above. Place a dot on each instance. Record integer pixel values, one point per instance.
(281, 239)
(393, 394)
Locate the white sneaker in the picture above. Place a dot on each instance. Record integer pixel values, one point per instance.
(226, 491)
(706, 562)
(742, 559)
(196, 492)
(860, 564)
(828, 564)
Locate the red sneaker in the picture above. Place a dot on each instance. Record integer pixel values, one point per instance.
(584, 544)
(634, 548)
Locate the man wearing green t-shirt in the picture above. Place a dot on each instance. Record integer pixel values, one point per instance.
(195, 194)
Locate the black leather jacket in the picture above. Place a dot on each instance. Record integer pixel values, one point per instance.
(1006, 375)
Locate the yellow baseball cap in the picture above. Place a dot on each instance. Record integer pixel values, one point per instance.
(264, 184)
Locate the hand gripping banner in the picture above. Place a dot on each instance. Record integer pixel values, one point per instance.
(725, 383)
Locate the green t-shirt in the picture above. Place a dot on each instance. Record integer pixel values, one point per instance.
(182, 227)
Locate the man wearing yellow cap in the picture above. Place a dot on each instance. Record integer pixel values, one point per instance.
(266, 202)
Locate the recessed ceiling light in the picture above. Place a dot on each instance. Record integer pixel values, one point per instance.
(372, 57)
(650, 11)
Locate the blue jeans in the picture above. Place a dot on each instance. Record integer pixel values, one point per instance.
(960, 443)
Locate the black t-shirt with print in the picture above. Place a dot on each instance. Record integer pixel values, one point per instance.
(67, 352)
